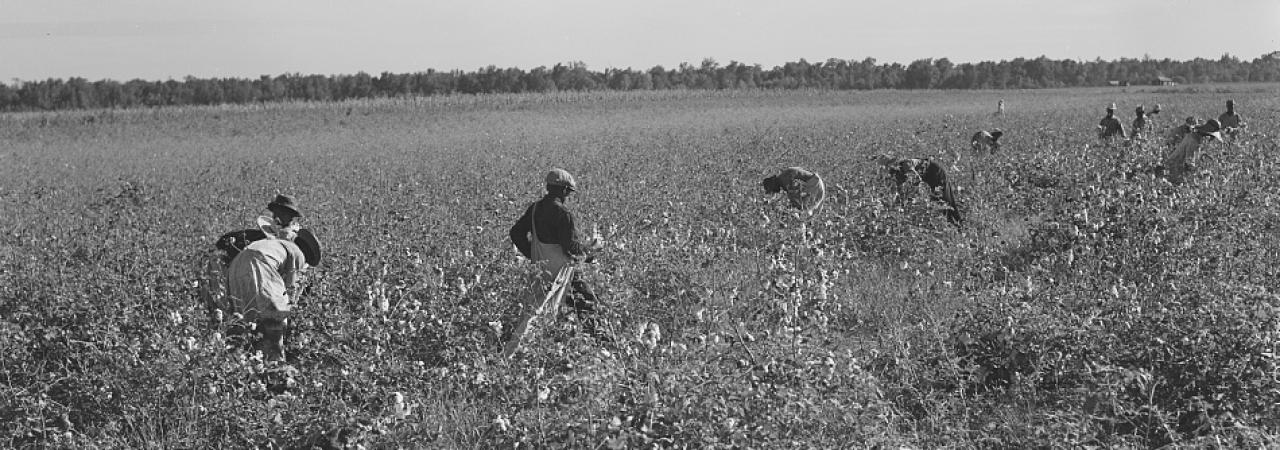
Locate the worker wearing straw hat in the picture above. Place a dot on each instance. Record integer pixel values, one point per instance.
(804, 188)
(548, 233)
(1110, 126)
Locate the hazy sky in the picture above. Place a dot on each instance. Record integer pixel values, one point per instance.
(161, 39)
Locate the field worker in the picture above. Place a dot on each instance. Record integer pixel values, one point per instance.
(548, 234)
(1177, 133)
(915, 170)
(1140, 126)
(986, 141)
(1230, 121)
(262, 279)
(1110, 126)
(284, 220)
(804, 188)
(1000, 108)
(1182, 159)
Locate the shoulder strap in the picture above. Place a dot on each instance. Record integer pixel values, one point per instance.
(533, 220)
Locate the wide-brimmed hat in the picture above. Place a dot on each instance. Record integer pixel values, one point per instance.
(310, 246)
(285, 202)
(562, 178)
(1111, 107)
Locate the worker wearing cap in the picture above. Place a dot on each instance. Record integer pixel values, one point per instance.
(986, 140)
(1110, 126)
(1140, 125)
(1230, 121)
(804, 188)
(548, 234)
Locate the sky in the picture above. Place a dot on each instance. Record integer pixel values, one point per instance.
(172, 39)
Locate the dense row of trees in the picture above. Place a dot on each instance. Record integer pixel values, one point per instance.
(839, 74)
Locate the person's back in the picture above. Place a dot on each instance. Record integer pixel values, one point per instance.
(553, 236)
(986, 140)
(805, 189)
(1183, 157)
(260, 277)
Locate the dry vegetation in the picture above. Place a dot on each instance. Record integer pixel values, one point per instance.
(1085, 304)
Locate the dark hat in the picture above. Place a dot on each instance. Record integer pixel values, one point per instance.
(286, 202)
(1139, 110)
(1231, 103)
(562, 178)
(310, 246)
(1111, 107)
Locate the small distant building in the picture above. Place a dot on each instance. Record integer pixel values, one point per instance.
(1117, 83)
(1164, 81)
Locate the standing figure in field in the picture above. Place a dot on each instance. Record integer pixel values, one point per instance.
(1000, 108)
(1110, 127)
(1140, 125)
(1181, 161)
(804, 188)
(548, 234)
(986, 141)
(261, 280)
(912, 171)
(1231, 122)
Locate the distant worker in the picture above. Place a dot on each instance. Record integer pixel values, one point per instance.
(1110, 127)
(1140, 126)
(986, 141)
(1231, 122)
(916, 170)
(548, 234)
(1000, 108)
(804, 188)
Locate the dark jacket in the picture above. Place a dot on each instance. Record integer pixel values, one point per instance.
(555, 225)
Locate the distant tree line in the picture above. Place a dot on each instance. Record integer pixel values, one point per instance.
(836, 74)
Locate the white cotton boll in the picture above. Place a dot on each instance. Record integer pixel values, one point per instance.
(399, 407)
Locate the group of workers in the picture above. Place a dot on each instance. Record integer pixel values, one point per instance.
(1111, 128)
(1184, 140)
(261, 269)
